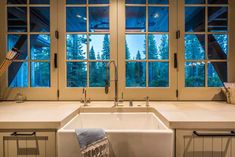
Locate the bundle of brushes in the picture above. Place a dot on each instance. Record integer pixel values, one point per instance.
(10, 57)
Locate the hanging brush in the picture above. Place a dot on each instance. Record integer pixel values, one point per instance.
(10, 57)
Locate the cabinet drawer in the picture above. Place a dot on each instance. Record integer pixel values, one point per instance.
(205, 143)
(27, 144)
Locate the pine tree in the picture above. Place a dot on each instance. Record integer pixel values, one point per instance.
(106, 48)
(92, 53)
(139, 71)
(152, 48)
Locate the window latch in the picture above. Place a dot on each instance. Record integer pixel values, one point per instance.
(175, 61)
(178, 34)
(55, 60)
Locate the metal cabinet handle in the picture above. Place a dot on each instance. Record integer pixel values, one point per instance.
(19, 134)
(231, 133)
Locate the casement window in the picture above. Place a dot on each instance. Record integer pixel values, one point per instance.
(164, 49)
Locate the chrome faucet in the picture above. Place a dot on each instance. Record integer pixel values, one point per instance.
(85, 101)
(116, 81)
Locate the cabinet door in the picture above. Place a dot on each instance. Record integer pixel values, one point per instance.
(190, 145)
(27, 144)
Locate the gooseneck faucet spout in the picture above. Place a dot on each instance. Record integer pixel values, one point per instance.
(107, 82)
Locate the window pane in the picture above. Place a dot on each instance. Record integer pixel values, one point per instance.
(135, 46)
(39, 19)
(217, 46)
(158, 1)
(98, 74)
(17, 19)
(98, 1)
(40, 47)
(18, 74)
(39, 1)
(76, 47)
(218, 1)
(217, 19)
(76, 74)
(76, 1)
(99, 47)
(195, 74)
(16, 1)
(135, 1)
(76, 19)
(194, 19)
(98, 19)
(135, 74)
(135, 19)
(158, 47)
(158, 74)
(213, 78)
(194, 47)
(20, 42)
(40, 74)
(158, 19)
(194, 1)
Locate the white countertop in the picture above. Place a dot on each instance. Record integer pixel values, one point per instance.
(177, 115)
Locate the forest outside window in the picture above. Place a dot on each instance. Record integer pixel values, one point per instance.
(206, 43)
(29, 30)
(87, 42)
(147, 43)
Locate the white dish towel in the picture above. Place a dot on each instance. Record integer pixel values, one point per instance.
(93, 142)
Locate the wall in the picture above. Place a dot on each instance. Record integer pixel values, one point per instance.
(231, 58)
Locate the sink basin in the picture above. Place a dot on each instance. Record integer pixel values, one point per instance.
(130, 134)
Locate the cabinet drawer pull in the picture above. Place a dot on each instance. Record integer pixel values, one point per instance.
(231, 133)
(19, 134)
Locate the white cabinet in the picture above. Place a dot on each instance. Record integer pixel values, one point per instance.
(205, 143)
(27, 144)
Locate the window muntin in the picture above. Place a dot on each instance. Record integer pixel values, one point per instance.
(147, 43)
(29, 30)
(206, 43)
(87, 42)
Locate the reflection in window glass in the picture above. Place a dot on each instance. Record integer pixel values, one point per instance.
(98, 74)
(17, 19)
(158, 46)
(194, 19)
(40, 47)
(40, 74)
(194, 74)
(39, 1)
(135, 46)
(98, 1)
(135, 19)
(135, 1)
(194, 1)
(16, 1)
(20, 42)
(217, 1)
(158, 74)
(194, 47)
(158, 19)
(76, 74)
(217, 19)
(39, 19)
(76, 19)
(158, 2)
(18, 75)
(213, 78)
(135, 74)
(76, 2)
(99, 47)
(98, 19)
(76, 47)
(217, 46)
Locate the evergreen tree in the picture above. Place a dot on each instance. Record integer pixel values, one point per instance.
(152, 48)
(139, 71)
(92, 53)
(106, 48)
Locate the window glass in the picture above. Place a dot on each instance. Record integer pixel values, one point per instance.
(17, 19)
(135, 74)
(213, 77)
(16, 1)
(135, 1)
(98, 74)
(76, 74)
(194, 19)
(194, 1)
(98, 1)
(39, 1)
(217, 19)
(136, 19)
(76, 1)
(195, 74)
(217, 46)
(40, 74)
(39, 19)
(158, 74)
(218, 1)
(158, 1)
(98, 19)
